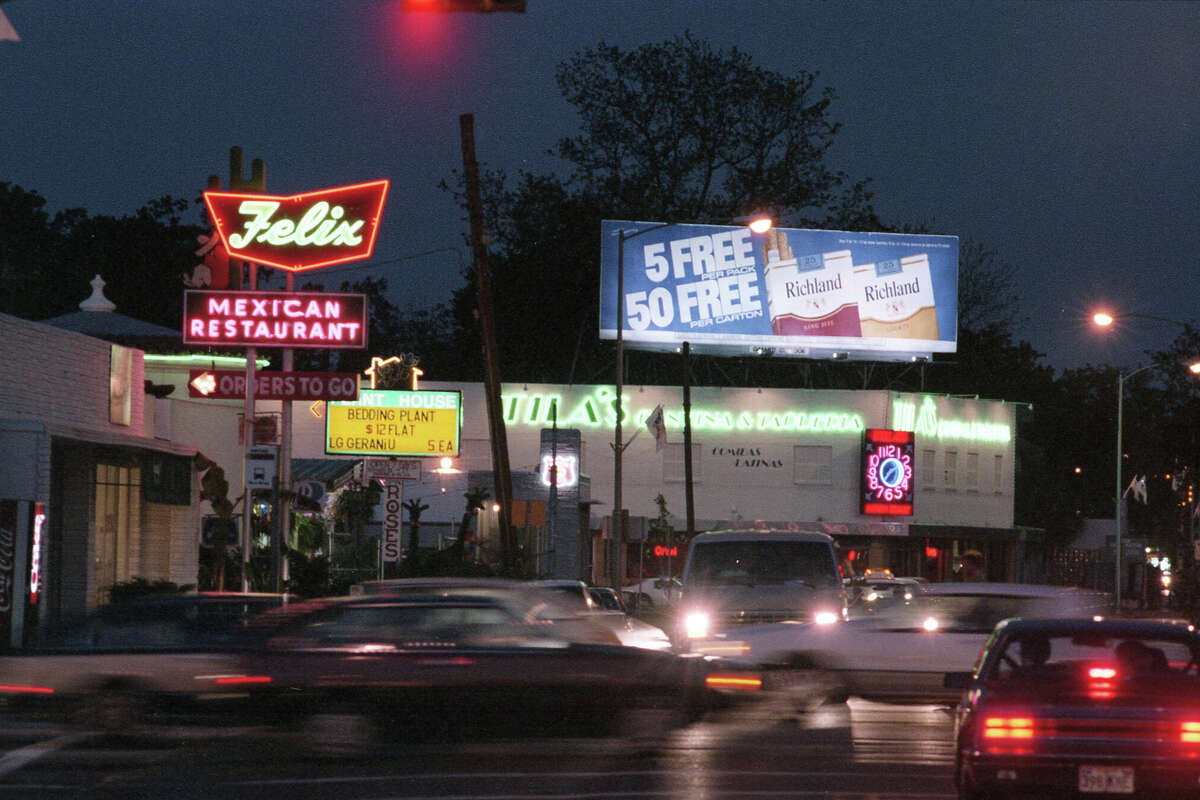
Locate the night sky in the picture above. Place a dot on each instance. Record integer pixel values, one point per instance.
(1063, 136)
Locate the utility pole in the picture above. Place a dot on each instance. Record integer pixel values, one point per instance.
(487, 327)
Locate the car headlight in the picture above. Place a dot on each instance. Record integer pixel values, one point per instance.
(696, 624)
(872, 597)
(930, 624)
(826, 617)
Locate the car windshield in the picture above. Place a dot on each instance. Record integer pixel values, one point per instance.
(161, 624)
(754, 563)
(1037, 657)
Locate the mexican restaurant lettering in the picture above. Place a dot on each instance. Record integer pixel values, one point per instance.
(311, 320)
(302, 231)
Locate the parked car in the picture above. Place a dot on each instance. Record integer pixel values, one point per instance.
(901, 654)
(632, 631)
(661, 592)
(1094, 707)
(868, 595)
(135, 660)
(472, 660)
(604, 606)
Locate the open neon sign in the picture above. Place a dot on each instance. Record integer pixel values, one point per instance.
(887, 472)
(301, 231)
(319, 320)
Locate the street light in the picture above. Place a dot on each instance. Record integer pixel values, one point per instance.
(758, 222)
(1105, 319)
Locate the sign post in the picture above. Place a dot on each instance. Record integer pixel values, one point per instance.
(294, 233)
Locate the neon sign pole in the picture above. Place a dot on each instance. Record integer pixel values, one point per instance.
(294, 233)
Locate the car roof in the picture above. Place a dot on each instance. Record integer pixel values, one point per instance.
(1112, 626)
(761, 536)
(1008, 590)
(389, 585)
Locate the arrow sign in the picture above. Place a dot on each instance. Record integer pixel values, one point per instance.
(205, 383)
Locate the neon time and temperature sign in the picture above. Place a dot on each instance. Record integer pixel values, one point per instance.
(887, 472)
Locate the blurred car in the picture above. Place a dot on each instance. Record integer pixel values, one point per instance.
(1091, 707)
(503, 658)
(662, 591)
(632, 631)
(130, 661)
(901, 654)
(606, 598)
(869, 595)
(604, 606)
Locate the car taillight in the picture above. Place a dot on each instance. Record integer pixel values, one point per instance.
(733, 681)
(1008, 728)
(1012, 735)
(22, 689)
(1189, 731)
(1100, 683)
(241, 680)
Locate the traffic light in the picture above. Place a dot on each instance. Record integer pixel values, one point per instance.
(477, 6)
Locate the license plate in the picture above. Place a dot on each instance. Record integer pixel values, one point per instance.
(1106, 780)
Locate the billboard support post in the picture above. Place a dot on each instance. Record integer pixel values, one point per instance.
(689, 496)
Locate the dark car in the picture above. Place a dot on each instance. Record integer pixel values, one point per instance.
(133, 660)
(469, 659)
(1088, 707)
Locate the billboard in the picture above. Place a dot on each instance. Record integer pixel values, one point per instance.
(789, 292)
(389, 422)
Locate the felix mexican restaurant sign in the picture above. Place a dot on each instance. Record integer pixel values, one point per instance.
(301, 231)
(312, 320)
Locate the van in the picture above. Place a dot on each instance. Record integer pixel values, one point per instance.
(737, 579)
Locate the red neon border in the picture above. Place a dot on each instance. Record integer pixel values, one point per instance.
(284, 199)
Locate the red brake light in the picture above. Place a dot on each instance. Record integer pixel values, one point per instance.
(1008, 728)
(1010, 735)
(734, 681)
(1189, 732)
(16, 689)
(239, 680)
(1103, 673)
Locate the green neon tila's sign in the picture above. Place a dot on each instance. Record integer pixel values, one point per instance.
(598, 410)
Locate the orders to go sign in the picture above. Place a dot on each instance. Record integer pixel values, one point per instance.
(226, 384)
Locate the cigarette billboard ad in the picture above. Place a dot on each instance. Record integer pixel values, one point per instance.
(790, 292)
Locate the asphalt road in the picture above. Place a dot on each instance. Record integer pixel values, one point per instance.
(857, 751)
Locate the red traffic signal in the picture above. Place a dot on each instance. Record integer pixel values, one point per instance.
(478, 6)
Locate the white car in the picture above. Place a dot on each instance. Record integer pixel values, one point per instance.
(902, 653)
(596, 603)
(662, 591)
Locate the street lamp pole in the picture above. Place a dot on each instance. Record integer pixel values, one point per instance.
(1118, 569)
(1105, 319)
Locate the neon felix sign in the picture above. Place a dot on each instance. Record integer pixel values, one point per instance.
(598, 410)
(301, 231)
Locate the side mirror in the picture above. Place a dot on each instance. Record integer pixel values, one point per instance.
(957, 680)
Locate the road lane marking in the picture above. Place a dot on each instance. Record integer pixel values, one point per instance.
(14, 760)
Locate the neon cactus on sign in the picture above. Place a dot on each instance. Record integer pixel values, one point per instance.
(925, 422)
